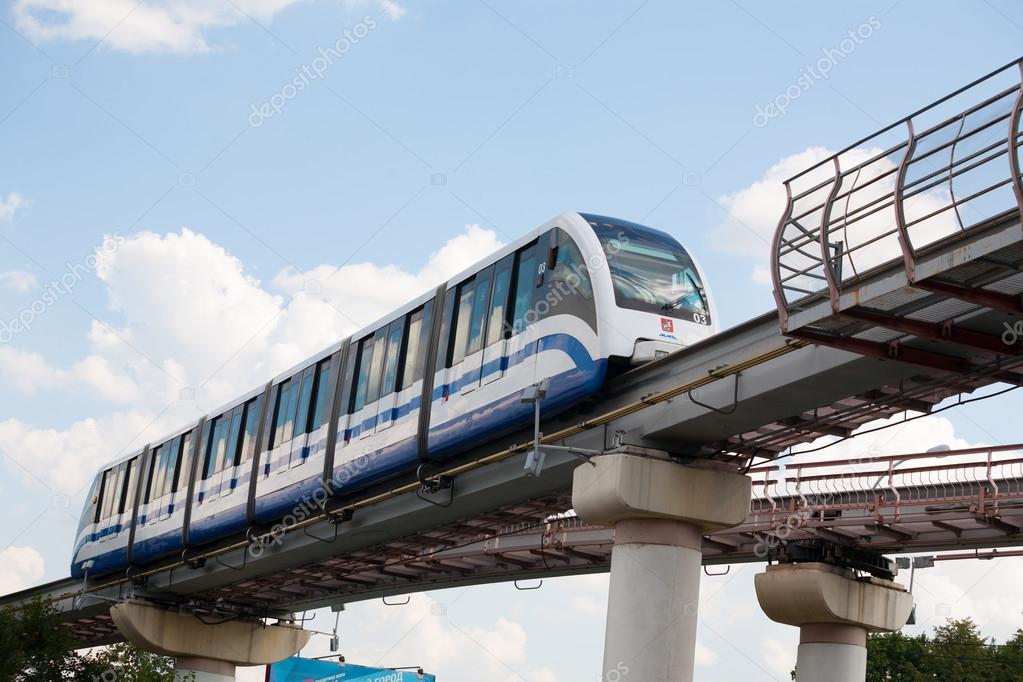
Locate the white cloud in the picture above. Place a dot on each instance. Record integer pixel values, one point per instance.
(392, 8)
(780, 655)
(26, 371)
(705, 656)
(22, 281)
(428, 633)
(29, 373)
(753, 211)
(164, 26)
(969, 589)
(899, 438)
(191, 317)
(20, 567)
(66, 460)
(10, 205)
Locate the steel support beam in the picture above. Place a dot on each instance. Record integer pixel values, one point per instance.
(995, 300)
(941, 331)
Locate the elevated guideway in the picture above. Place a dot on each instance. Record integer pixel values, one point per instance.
(925, 502)
(897, 277)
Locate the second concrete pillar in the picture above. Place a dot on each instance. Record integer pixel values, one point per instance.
(659, 510)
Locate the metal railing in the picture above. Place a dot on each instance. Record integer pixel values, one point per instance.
(981, 478)
(923, 179)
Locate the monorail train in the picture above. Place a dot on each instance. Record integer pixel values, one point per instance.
(575, 300)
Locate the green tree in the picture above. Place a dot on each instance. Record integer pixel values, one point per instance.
(1008, 659)
(35, 646)
(957, 652)
(894, 657)
(126, 662)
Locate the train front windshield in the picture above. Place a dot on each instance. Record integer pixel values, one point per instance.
(651, 271)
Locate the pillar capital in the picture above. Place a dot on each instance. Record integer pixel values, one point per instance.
(816, 594)
(620, 487)
(184, 636)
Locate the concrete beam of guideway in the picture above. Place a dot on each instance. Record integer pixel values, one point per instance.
(659, 511)
(209, 652)
(834, 611)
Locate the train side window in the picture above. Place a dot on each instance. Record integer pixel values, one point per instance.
(288, 431)
(370, 362)
(117, 490)
(155, 461)
(250, 421)
(321, 395)
(103, 503)
(234, 439)
(305, 399)
(280, 414)
(570, 268)
(128, 489)
(525, 284)
(466, 291)
(394, 336)
(496, 326)
(445, 339)
(112, 489)
(481, 299)
(183, 469)
(163, 467)
(375, 366)
(363, 361)
(287, 404)
(407, 366)
(216, 446)
(415, 345)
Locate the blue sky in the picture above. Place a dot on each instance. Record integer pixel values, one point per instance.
(436, 131)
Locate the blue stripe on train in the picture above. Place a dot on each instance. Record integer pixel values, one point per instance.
(494, 419)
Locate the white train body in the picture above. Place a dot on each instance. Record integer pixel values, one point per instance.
(576, 296)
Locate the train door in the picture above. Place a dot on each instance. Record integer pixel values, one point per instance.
(522, 347)
(369, 365)
(149, 506)
(385, 412)
(215, 437)
(495, 346)
(161, 489)
(118, 507)
(472, 330)
(282, 425)
(300, 431)
(113, 481)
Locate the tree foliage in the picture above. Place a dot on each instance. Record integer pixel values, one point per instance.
(956, 652)
(36, 647)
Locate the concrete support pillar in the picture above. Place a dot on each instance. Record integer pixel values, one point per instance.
(834, 611)
(659, 510)
(208, 651)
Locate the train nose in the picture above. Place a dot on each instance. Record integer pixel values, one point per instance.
(645, 351)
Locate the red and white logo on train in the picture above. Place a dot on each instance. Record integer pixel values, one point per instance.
(667, 325)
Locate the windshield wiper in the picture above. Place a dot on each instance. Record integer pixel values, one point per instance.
(697, 289)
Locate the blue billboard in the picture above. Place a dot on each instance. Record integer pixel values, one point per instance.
(311, 670)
